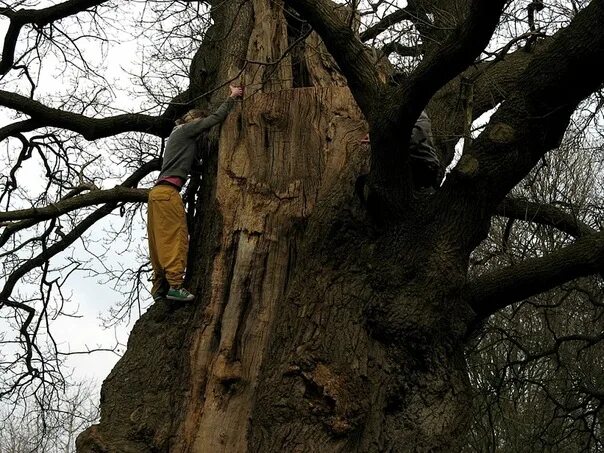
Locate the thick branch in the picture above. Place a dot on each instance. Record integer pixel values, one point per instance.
(529, 123)
(462, 47)
(14, 129)
(89, 128)
(388, 21)
(39, 17)
(560, 77)
(492, 84)
(351, 55)
(400, 49)
(496, 290)
(544, 214)
(401, 106)
(131, 181)
(117, 194)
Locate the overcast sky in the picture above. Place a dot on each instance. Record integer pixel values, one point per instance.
(91, 296)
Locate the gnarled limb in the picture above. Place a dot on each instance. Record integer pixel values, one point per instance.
(498, 289)
(89, 128)
(117, 194)
(492, 83)
(546, 94)
(545, 214)
(529, 123)
(462, 46)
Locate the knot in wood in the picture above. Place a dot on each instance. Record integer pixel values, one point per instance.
(467, 166)
(274, 119)
(502, 133)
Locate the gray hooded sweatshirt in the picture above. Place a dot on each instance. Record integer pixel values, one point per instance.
(181, 147)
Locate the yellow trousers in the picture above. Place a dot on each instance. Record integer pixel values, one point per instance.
(168, 237)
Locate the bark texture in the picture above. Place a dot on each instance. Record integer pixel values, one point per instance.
(189, 377)
(318, 326)
(279, 153)
(270, 175)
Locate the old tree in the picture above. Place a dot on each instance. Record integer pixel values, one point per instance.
(334, 301)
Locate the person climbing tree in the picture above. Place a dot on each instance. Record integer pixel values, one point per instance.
(166, 221)
(425, 164)
(426, 167)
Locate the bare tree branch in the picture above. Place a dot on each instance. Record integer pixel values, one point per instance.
(388, 21)
(400, 106)
(131, 181)
(544, 214)
(500, 288)
(117, 194)
(55, 248)
(19, 127)
(546, 95)
(543, 99)
(38, 17)
(48, 252)
(492, 84)
(89, 128)
(463, 45)
(74, 234)
(24, 327)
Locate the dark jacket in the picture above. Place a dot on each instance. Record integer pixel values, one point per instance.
(424, 158)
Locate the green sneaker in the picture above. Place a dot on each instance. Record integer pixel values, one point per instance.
(179, 294)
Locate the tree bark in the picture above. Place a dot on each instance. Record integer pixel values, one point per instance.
(314, 328)
(287, 275)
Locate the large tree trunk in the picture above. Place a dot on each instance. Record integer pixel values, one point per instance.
(313, 329)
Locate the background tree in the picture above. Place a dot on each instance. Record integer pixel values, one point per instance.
(27, 429)
(334, 303)
(536, 366)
